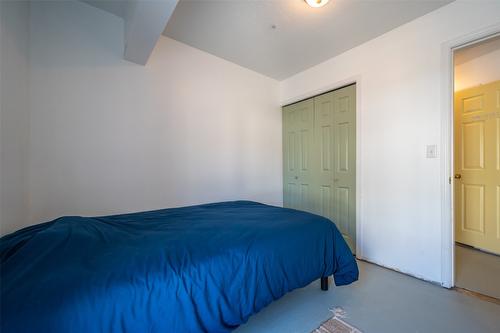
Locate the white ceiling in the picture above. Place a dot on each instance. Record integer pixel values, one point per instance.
(242, 32)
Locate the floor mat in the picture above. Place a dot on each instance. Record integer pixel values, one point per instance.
(336, 324)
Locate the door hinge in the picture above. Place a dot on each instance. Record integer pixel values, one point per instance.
(449, 180)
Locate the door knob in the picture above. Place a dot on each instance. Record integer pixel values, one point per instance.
(296, 177)
(458, 176)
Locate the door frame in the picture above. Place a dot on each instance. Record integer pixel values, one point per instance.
(447, 143)
(356, 79)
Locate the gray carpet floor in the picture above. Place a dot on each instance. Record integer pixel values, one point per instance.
(382, 301)
(477, 271)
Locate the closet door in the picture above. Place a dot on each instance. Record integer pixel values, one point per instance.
(319, 158)
(298, 149)
(324, 140)
(344, 175)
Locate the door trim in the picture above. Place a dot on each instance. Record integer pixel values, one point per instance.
(447, 137)
(357, 80)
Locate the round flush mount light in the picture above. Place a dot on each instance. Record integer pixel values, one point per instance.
(316, 3)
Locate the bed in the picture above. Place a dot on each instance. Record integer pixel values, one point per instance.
(204, 268)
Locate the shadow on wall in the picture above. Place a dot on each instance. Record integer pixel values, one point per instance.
(100, 43)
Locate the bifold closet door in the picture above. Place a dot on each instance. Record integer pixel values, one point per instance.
(298, 154)
(335, 149)
(344, 176)
(324, 138)
(319, 158)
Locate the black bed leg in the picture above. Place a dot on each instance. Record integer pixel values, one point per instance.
(324, 283)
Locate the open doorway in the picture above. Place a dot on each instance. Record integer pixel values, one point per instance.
(476, 151)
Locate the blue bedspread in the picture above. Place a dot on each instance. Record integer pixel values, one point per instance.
(192, 269)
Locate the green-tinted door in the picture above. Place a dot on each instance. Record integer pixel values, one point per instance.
(324, 138)
(319, 158)
(345, 163)
(298, 155)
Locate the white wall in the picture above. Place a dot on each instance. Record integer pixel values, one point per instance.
(480, 70)
(109, 136)
(14, 115)
(399, 77)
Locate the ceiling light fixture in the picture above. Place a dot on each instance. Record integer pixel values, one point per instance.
(316, 3)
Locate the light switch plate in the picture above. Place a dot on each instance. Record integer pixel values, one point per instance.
(431, 151)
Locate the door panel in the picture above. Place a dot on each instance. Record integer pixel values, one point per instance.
(324, 139)
(291, 195)
(473, 208)
(344, 177)
(291, 151)
(497, 129)
(326, 200)
(473, 103)
(335, 124)
(298, 153)
(305, 197)
(477, 167)
(498, 213)
(342, 207)
(343, 147)
(326, 147)
(304, 148)
(473, 145)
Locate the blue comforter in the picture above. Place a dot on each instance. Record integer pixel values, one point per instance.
(192, 269)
